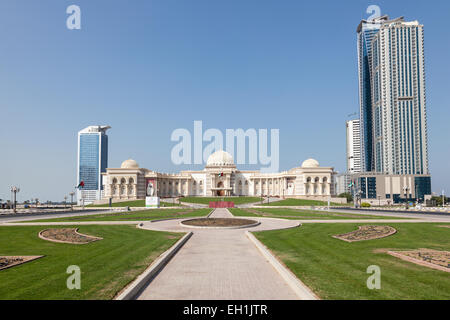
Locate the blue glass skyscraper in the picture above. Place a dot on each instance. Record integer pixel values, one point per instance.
(366, 31)
(92, 161)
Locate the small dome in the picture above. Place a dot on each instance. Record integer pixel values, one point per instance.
(129, 164)
(220, 158)
(310, 163)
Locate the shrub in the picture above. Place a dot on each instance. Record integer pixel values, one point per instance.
(365, 205)
(346, 195)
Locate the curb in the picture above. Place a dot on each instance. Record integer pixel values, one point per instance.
(257, 223)
(209, 214)
(94, 238)
(167, 219)
(300, 289)
(144, 278)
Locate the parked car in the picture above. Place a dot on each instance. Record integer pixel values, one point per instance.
(5, 206)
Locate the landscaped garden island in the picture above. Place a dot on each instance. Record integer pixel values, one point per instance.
(329, 251)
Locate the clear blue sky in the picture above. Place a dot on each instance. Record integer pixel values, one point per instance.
(149, 67)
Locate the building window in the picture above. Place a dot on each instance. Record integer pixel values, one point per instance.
(372, 188)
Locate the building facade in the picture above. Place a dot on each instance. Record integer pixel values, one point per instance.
(399, 99)
(353, 146)
(378, 188)
(366, 31)
(92, 162)
(343, 181)
(392, 97)
(220, 177)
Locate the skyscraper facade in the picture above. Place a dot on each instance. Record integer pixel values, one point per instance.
(392, 97)
(366, 31)
(92, 161)
(353, 146)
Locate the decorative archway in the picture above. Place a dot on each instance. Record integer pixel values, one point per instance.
(220, 193)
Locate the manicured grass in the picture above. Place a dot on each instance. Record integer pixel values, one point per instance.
(335, 269)
(151, 214)
(207, 200)
(134, 203)
(301, 214)
(242, 213)
(301, 202)
(106, 266)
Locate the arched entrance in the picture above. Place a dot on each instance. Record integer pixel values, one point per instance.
(220, 193)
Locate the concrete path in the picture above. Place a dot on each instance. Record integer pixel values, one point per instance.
(56, 214)
(218, 264)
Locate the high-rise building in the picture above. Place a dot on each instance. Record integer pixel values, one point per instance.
(366, 31)
(92, 161)
(353, 146)
(343, 181)
(392, 96)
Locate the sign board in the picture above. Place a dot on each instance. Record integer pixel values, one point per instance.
(152, 202)
(221, 204)
(150, 188)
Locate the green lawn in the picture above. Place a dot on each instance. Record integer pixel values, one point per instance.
(301, 202)
(301, 214)
(106, 266)
(151, 214)
(134, 203)
(207, 200)
(335, 269)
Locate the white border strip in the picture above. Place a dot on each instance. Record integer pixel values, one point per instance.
(133, 289)
(302, 291)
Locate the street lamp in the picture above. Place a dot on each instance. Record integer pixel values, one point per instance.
(443, 199)
(415, 194)
(71, 199)
(406, 189)
(14, 191)
(65, 201)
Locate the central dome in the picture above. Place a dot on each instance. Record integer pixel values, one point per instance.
(220, 158)
(129, 164)
(310, 163)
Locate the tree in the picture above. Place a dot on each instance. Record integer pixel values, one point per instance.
(438, 200)
(346, 195)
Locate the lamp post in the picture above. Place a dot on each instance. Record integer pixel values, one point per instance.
(406, 189)
(443, 199)
(415, 194)
(71, 199)
(82, 199)
(379, 201)
(65, 201)
(358, 198)
(14, 191)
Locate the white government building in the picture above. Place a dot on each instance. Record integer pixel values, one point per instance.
(220, 177)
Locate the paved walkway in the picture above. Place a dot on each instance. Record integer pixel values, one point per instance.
(218, 264)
